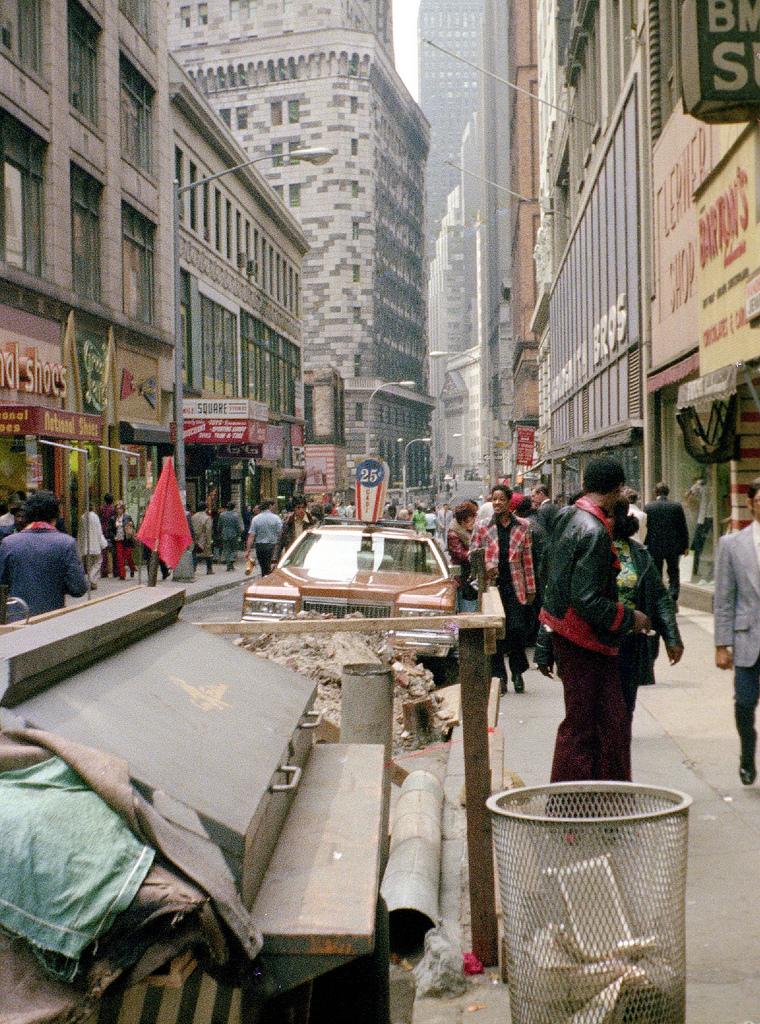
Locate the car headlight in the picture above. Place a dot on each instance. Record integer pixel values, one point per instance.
(268, 607)
(408, 612)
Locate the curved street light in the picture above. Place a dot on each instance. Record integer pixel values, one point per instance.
(415, 440)
(381, 387)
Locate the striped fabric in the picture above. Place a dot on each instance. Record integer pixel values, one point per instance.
(199, 1000)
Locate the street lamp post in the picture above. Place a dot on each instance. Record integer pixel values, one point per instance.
(315, 156)
(415, 440)
(381, 387)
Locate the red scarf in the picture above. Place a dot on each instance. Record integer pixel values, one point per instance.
(596, 510)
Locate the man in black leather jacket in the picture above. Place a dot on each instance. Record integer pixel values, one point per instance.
(587, 621)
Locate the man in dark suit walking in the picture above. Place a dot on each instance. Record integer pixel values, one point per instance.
(667, 536)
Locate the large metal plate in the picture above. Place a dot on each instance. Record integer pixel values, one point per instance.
(196, 718)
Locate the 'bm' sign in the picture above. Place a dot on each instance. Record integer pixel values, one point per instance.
(723, 83)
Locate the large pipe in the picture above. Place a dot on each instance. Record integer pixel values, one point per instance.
(366, 716)
(412, 877)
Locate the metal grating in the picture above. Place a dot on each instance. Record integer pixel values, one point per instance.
(592, 879)
(342, 608)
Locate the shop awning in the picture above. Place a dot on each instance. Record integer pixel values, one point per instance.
(700, 394)
(706, 413)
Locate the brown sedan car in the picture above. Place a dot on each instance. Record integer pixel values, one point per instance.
(379, 569)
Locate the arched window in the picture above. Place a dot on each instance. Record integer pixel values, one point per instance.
(221, 80)
(242, 80)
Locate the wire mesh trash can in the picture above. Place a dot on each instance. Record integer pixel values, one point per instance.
(592, 878)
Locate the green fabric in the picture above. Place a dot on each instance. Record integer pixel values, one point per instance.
(69, 863)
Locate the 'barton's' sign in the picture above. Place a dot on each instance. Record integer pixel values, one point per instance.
(720, 69)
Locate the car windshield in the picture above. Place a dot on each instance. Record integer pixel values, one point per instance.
(339, 556)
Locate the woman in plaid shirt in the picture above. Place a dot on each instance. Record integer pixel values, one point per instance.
(506, 541)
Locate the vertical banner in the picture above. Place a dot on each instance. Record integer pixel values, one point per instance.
(371, 489)
(525, 446)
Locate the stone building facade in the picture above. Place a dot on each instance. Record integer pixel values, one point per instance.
(86, 326)
(321, 75)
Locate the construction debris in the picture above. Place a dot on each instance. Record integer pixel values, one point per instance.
(322, 658)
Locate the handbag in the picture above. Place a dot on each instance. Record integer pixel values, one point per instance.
(129, 532)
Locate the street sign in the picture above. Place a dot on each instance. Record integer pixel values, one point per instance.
(371, 489)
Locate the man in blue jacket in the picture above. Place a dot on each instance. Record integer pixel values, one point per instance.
(39, 564)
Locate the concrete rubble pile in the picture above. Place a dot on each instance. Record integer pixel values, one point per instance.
(322, 658)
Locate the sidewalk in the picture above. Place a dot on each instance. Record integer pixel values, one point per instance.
(201, 586)
(684, 739)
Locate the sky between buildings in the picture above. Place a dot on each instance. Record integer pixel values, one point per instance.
(405, 41)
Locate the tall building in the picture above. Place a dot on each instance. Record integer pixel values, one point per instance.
(286, 76)
(448, 90)
(86, 289)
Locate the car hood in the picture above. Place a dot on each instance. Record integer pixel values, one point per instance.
(382, 587)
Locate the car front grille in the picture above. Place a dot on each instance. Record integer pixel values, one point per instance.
(341, 608)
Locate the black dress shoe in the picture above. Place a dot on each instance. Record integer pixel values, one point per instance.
(747, 775)
(519, 684)
(502, 684)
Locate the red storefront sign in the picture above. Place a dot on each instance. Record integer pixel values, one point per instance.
(223, 431)
(16, 420)
(525, 446)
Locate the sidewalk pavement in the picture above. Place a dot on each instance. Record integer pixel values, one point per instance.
(684, 739)
(203, 584)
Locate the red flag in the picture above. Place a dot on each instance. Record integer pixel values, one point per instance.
(164, 526)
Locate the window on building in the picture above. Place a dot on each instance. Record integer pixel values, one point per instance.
(228, 227)
(137, 264)
(354, 104)
(241, 117)
(138, 12)
(217, 220)
(279, 190)
(85, 234)
(355, 230)
(22, 161)
(357, 314)
(184, 17)
(192, 197)
(355, 189)
(224, 113)
(83, 62)
(294, 111)
(294, 195)
(136, 101)
(271, 365)
(276, 154)
(357, 364)
(256, 255)
(203, 14)
(354, 147)
(178, 158)
(219, 344)
(20, 31)
(355, 272)
(206, 213)
(276, 111)
(359, 412)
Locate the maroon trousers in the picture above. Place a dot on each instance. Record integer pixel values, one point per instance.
(594, 740)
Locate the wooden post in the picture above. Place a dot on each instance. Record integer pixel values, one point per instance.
(478, 566)
(474, 677)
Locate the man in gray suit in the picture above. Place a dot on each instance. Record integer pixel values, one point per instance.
(736, 607)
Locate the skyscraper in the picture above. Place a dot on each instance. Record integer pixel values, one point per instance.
(286, 76)
(448, 90)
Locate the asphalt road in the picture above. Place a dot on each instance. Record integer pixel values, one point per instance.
(226, 606)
